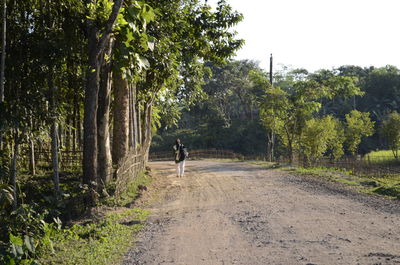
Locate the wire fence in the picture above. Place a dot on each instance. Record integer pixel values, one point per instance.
(68, 159)
(134, 163)
(376, 166)
(197, 154)
(129, 168)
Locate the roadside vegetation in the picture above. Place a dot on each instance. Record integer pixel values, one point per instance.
(36, 235)
(83, 87)
(385, 185)
(100, 242)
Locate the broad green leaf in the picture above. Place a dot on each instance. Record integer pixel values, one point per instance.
(14, 250)
(133, 12)
(28, 243)
(133, 27)
(15, 240)
(20, 250)
(143, 63)
(151, 43)
(144, 40)
(147, 14)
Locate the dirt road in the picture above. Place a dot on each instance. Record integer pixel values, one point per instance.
(237, 213)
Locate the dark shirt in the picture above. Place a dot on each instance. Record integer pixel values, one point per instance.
(181, 153)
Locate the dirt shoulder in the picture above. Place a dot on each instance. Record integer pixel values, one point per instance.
(237, 213)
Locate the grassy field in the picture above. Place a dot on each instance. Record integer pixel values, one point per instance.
(380, 156)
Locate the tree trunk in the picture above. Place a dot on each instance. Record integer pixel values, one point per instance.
(103, 117)
(79, 129)
(290, 150)
(67, 130)
(97, 42)
(3, 52)
(121, 118)
(131, 134)
(273, 147)
(14, 168)
(139, 125)
(270, 146)
(54, 132)
(147, 126)
(32, 164)
(54, 157)
(61, 134)
(60, 143)
(134, 118)
(74, 127)
(90, 114)
(149, 130)
(3, 61)
(133, 131)
(144, 124)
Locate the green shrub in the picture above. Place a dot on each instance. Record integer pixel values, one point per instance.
(27, 235)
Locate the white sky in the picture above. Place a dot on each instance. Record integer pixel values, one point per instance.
(315, 34)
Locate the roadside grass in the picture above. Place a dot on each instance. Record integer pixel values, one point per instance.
(132, 192)
(264, 164)
(217, 159)
(102, 242)
(385, 185)
(104, 238)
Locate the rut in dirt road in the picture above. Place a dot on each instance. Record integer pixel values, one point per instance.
(237, 213)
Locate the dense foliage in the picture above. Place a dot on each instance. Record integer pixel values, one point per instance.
(93, 78)
(329, 112)
(226, 118)
(391, 131)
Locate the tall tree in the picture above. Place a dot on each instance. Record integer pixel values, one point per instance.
(391, 131)
(121, 117)
(303, 101)
(103, 118)
(319, 136)
(186, 33)
(98, 37)
(358, 125)
(132, 41)
(3, 52)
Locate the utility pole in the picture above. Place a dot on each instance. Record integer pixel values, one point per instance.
(271, 133)
(270, 69)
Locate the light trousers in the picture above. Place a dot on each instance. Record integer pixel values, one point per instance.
(180, 168)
